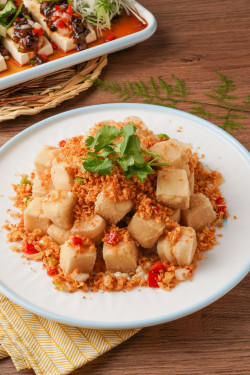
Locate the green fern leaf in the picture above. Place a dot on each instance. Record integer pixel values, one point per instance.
(167, 88)
(153, 87)
(180, 87)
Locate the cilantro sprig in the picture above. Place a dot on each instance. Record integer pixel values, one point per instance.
(127, 153)
(9, 10)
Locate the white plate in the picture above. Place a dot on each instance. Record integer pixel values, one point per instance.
(87, 54)
(220, 271)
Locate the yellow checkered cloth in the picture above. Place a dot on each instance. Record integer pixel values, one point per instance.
(48, 347)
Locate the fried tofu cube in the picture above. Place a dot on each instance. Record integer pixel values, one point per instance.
(200, 212)
(172, 152)
(145, 232)
(42, 186)
(58, 206)
(176, 216)
(44, 158)
(121, 257)
(93, 227)
(34, 217)
(58, 234)
(111, 211)
(191, 182)
(180, 253)
(77, 256)
(173, 188)
(141, 127)
(62, 176)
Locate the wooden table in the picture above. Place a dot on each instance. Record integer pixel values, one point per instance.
(193, 39)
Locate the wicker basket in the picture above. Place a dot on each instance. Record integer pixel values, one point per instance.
(49, 91)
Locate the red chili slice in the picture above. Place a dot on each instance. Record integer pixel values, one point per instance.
(69, 10)
(40, 32)
(110, 37)
(30, 249)
(61, 24)
(51, 271)
(35, 31)
(157, 267)
(222, 209)
(62, 143)
(153, 279)
(55, 46)
(219, 200)
(57, 7)
(77, 241)
(45, 57)
(112, 238)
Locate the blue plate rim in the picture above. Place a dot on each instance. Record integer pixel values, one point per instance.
(144, 322)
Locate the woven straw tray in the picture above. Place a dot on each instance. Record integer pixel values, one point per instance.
(49, 91)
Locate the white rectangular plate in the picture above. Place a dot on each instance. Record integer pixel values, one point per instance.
(87, 54)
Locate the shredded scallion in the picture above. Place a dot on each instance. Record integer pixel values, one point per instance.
(99, 13)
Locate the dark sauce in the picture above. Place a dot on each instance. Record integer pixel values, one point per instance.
(66, 17)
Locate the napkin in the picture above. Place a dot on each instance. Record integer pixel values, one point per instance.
(48, 347)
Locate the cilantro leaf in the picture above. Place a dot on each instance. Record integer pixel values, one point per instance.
(126, 162)
(141, 172)
(101, 166)
(104, 137)
(133, 149)
(130, 159)
(90, 142)
(9, 8)
(105, 152)
(127, 130)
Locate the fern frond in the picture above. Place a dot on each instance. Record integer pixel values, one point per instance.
(180, 87)
(153, 86)
(167, 89)
(159, 92)
(224, 88)
(247, 100)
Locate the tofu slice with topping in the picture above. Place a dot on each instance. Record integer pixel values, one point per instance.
(3, 65)
(23, 58)
(81, 257)
(62, 177)
(44, 158)
(145, 232)
(58, 206)
(181, 252)
(173, 188)
(64, 42)
(92, 228)
(172, 152)
(200, 212)
(58, 234)
(34, 217)
(111, 211)
(121, 257)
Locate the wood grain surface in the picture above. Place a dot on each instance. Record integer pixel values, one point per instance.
(193, 39)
